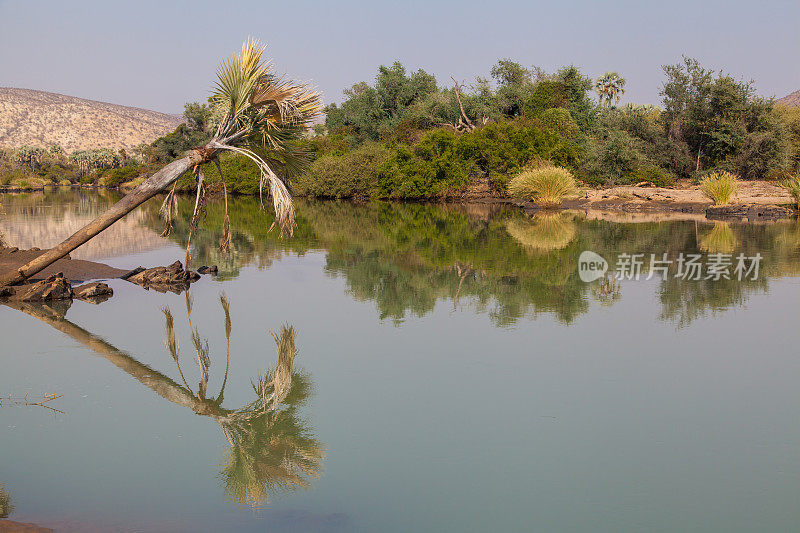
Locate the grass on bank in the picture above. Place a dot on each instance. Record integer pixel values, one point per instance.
(721, 187)
(792, 186)
(547, 185)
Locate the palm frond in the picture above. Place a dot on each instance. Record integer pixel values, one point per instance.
(261, 111)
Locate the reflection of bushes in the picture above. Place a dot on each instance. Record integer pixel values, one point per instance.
(408, 257)
(719, 240)
(544, 233)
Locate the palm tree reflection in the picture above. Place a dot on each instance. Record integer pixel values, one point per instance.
(272, 449)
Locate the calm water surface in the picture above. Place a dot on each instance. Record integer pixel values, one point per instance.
(437, 369)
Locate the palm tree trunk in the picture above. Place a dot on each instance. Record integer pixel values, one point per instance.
(149, 188)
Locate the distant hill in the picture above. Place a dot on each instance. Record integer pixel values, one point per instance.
(792, 100)
(37, 118)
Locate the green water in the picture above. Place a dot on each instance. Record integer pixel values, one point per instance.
(452, 373)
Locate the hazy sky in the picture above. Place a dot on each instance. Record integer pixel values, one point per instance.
(160, 54)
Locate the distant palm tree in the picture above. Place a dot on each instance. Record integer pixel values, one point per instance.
(610, 87)
(257, 114)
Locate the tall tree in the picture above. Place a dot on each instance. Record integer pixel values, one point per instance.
(722, 122)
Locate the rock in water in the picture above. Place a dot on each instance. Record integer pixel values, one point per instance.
(56, 287)
(92, 290)
(208, 270)
(162, 279)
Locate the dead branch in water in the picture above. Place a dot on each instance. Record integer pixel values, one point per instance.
(26, 401)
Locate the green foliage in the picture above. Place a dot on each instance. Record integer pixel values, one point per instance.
(560, 121)
(721, 187)
(568, 89)
(613, 158)
(790, 118)
(444, 161)
(515, 83)
(370, 113)
(116, 176)
(722, 122)
(652, 174)
(630, 146)
(547, 185)
(175, 144)
(438, 164)
(344, 175)
(792, 186)
(197, 116)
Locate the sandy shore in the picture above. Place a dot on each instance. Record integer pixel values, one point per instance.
(75, 269)
(685, 198)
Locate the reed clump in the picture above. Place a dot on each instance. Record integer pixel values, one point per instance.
(721, 187)
(792, 186)
(547, 185)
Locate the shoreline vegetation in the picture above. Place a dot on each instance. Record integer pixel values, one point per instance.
(408, 256)
(405, 137)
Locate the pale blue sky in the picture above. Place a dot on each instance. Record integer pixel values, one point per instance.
(160, 54)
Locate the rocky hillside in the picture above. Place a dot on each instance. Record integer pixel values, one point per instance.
(37, 118)
(792, 100)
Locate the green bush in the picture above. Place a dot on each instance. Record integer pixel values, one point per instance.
(343, 176)
(560, 121)
(653, 174)
(792, 186)
(439, 163)
(613, 159)
(547, 185)
(117, 176)
(444, 161)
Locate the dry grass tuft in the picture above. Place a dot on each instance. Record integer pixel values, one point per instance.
(721, 187)
(792, 186)
(547, 185)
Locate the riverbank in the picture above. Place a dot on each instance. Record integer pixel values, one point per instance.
(685, 197)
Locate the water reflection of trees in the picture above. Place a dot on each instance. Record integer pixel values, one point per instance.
(272, 449)
(408, 257)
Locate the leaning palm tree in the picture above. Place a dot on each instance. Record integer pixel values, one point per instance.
(610, 87)
(259, 115)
